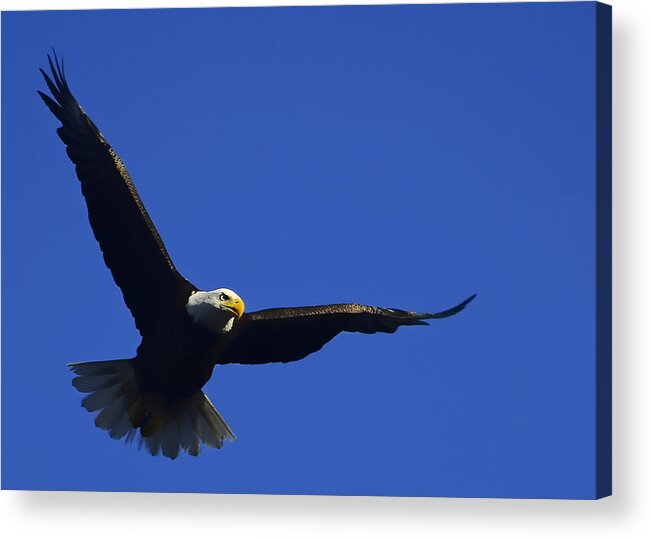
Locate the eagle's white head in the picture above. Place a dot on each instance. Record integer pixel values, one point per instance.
(215, 309)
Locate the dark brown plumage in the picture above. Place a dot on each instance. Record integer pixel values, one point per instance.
(131, 245)
(270, 336)
(156, 396)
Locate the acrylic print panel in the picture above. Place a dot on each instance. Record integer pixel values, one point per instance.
(401, 156)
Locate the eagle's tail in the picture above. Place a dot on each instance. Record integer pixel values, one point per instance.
(127, 413)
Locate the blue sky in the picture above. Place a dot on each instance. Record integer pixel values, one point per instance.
(396, 156)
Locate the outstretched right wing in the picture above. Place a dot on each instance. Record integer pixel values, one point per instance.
(290, 334)
(132, 248)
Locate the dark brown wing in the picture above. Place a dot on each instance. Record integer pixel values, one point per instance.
(132, 248)
(283, 335)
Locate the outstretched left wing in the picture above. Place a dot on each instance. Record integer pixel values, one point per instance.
(131, 245)
(290, 334)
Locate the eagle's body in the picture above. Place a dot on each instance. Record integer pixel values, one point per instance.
(157, 396)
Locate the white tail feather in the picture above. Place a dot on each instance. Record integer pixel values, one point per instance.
(125, 413)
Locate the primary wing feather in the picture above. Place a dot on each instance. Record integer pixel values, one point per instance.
(132, 248)
(290, 334)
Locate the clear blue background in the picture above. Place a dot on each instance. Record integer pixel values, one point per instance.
(397, 156)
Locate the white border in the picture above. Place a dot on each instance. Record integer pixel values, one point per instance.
(626, 514)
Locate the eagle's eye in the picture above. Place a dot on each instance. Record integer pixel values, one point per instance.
(223, 297)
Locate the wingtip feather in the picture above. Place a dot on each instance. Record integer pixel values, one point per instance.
(449, 312)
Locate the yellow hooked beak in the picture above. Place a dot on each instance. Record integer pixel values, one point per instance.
(235, 305)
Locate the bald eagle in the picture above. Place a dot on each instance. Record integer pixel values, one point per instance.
(156, 397)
